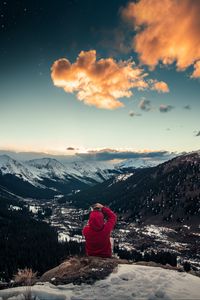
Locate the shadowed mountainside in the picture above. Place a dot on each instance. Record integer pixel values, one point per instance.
(168, 192)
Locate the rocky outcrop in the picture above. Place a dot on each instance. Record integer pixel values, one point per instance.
(79, 270)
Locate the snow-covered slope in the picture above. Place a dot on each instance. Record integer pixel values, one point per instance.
(14, 167)
(129, 282)
(46, 167)
(97, 170)
(38, 169)
(49, 168)
(62, 177)
(139, 163)
(48, 173)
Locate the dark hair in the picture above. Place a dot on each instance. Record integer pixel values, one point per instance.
(97, 208)
(93, 206)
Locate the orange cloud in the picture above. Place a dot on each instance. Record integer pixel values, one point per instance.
(196, 72)
(100, 83)
(167, 31)
(160, 86)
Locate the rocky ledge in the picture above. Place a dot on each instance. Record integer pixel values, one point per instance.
(79, 270)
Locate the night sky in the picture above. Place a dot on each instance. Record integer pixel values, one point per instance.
(93, 75)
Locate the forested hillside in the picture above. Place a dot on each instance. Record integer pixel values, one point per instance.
(27, 242)
(170, 191)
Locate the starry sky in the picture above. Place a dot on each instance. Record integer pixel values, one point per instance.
(85, 76)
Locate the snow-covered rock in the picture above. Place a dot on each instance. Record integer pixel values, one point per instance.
(128, 282)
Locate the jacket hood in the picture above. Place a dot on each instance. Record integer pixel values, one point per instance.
(96, 220)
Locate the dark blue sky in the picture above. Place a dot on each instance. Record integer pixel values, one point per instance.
(36, 30)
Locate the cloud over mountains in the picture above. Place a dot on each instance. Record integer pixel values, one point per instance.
(110, 154)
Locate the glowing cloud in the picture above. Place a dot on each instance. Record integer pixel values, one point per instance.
(98, 82)
(160, 86)
(196, 72)
(168, 31)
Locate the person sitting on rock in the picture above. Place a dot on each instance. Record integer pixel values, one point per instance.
(97, 231)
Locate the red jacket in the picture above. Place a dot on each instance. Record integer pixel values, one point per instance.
(97, 232)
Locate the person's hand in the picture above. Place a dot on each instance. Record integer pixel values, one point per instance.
(98, 205)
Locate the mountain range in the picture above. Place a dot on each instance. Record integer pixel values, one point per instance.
(147, 201)
(48, 177)
(167, 192)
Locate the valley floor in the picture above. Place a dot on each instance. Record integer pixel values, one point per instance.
(179, 239)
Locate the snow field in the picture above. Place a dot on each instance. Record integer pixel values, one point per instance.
(127, 282)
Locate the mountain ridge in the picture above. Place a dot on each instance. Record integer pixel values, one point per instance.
(167, 192)
(53, 177)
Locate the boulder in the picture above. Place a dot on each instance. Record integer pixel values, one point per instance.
(79, 270)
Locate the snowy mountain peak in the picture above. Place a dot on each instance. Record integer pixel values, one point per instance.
(14, 167)
(6, 159)
(138, 163)
(46, 167)
(9, 165)
(45, 162)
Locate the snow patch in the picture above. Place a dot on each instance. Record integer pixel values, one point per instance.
(123, 177)
(129, 282)
(14, 207)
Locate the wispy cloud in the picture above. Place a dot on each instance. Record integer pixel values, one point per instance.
(188, 107)
(164, 108)
(197, 133)
(168, 31)
(145, 105)
(71, 149)
(134, 114)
